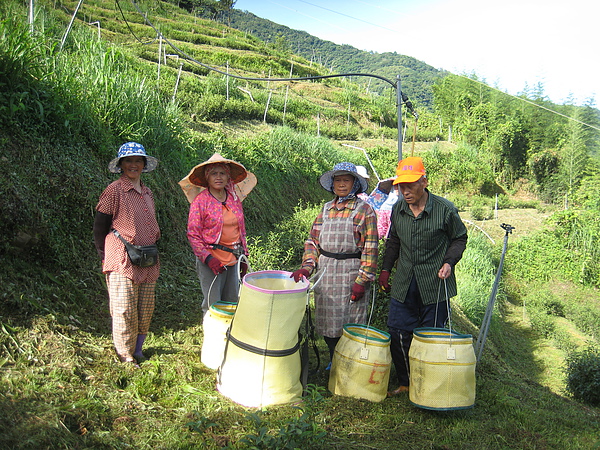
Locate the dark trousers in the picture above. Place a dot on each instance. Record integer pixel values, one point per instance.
(403, 319)
(331, 343)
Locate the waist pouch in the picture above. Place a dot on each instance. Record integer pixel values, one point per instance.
(140, 255)
(237, 250)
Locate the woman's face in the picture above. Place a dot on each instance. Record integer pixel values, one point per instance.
(217, 177)
(132, 166)
(342, 185)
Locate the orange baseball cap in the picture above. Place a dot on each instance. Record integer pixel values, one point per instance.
(409, 170)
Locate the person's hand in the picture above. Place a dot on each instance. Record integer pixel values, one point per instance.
(243, 269)
(445, 271)
(358, 291)
(298, 274)
(384, 280)
(215, 265)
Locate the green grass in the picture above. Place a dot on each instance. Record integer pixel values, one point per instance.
(60, 386)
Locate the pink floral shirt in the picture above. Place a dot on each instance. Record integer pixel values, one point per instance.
(205, 222)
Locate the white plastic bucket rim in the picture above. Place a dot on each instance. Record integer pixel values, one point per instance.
(251, 279)
(441, 333)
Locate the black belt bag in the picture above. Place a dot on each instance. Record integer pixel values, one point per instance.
(237, 251)
(340, 255)
(140, 255)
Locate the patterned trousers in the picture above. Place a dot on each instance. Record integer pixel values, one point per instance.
(131, 308)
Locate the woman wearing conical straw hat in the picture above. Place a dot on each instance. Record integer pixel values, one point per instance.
(216, 227)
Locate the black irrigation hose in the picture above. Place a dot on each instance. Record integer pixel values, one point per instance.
(129, 28)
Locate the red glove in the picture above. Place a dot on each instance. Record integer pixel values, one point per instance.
(384, 278)
(215, 265)
(243, 269)
(358, 290)
(298, 274)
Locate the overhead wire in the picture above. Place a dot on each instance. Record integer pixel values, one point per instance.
(346, 15)
(307, 15)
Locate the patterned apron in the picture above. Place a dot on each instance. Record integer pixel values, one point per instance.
(333, 308)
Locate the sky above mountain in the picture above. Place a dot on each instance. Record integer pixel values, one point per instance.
(512, 45)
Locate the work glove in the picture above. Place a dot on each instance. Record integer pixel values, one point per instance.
(243, 269)
(384, 280)
(298, 274)
(358, 291)
(215, 265)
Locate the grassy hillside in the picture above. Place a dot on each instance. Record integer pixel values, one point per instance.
(417, 76)
(63, 115)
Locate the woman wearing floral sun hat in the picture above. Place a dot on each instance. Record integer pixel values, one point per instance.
(342, 241)
(126, 207)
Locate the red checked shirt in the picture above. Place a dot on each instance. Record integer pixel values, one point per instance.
(134, 217)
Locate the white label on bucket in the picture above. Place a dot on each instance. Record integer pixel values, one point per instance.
(364, 353)
(450, 353)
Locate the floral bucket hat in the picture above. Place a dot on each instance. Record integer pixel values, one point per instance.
(132, 149)
(343, 168)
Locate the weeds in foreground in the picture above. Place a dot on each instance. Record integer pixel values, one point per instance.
(301, 430)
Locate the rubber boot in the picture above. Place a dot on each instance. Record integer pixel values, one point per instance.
(137, 354)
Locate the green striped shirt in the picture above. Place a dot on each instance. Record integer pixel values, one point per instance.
(422, 245)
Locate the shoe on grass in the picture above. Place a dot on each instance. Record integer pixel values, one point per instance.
(397, 391)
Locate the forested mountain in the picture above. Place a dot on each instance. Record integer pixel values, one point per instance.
(417, 77)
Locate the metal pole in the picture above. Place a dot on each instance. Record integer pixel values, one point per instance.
(177, 82)
(62, 43)
(31, 8)
(489, 311)
(399, 108)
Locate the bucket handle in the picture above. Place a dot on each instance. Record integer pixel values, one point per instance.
(371, 313)
(238, 266)
(319, 278)
(447, 306)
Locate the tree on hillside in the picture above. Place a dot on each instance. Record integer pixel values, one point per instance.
(590, 115)
(514, 144)
(574, 158)
(206, 8)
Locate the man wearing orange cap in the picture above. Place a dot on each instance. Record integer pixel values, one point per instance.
(427, 237)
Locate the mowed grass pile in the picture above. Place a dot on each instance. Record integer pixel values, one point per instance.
(60, 385)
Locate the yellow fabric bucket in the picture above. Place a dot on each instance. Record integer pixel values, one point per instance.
(214, 327)
(261, 366)
(361, 363)
(442, 369)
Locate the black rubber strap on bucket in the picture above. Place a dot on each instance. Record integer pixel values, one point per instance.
(262, 351)
(310, 337)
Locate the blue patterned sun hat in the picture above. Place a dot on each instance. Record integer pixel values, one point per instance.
(132, 149)
(343, 168)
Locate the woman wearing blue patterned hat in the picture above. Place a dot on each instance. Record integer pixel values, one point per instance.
(342, 242)
(125, 213)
